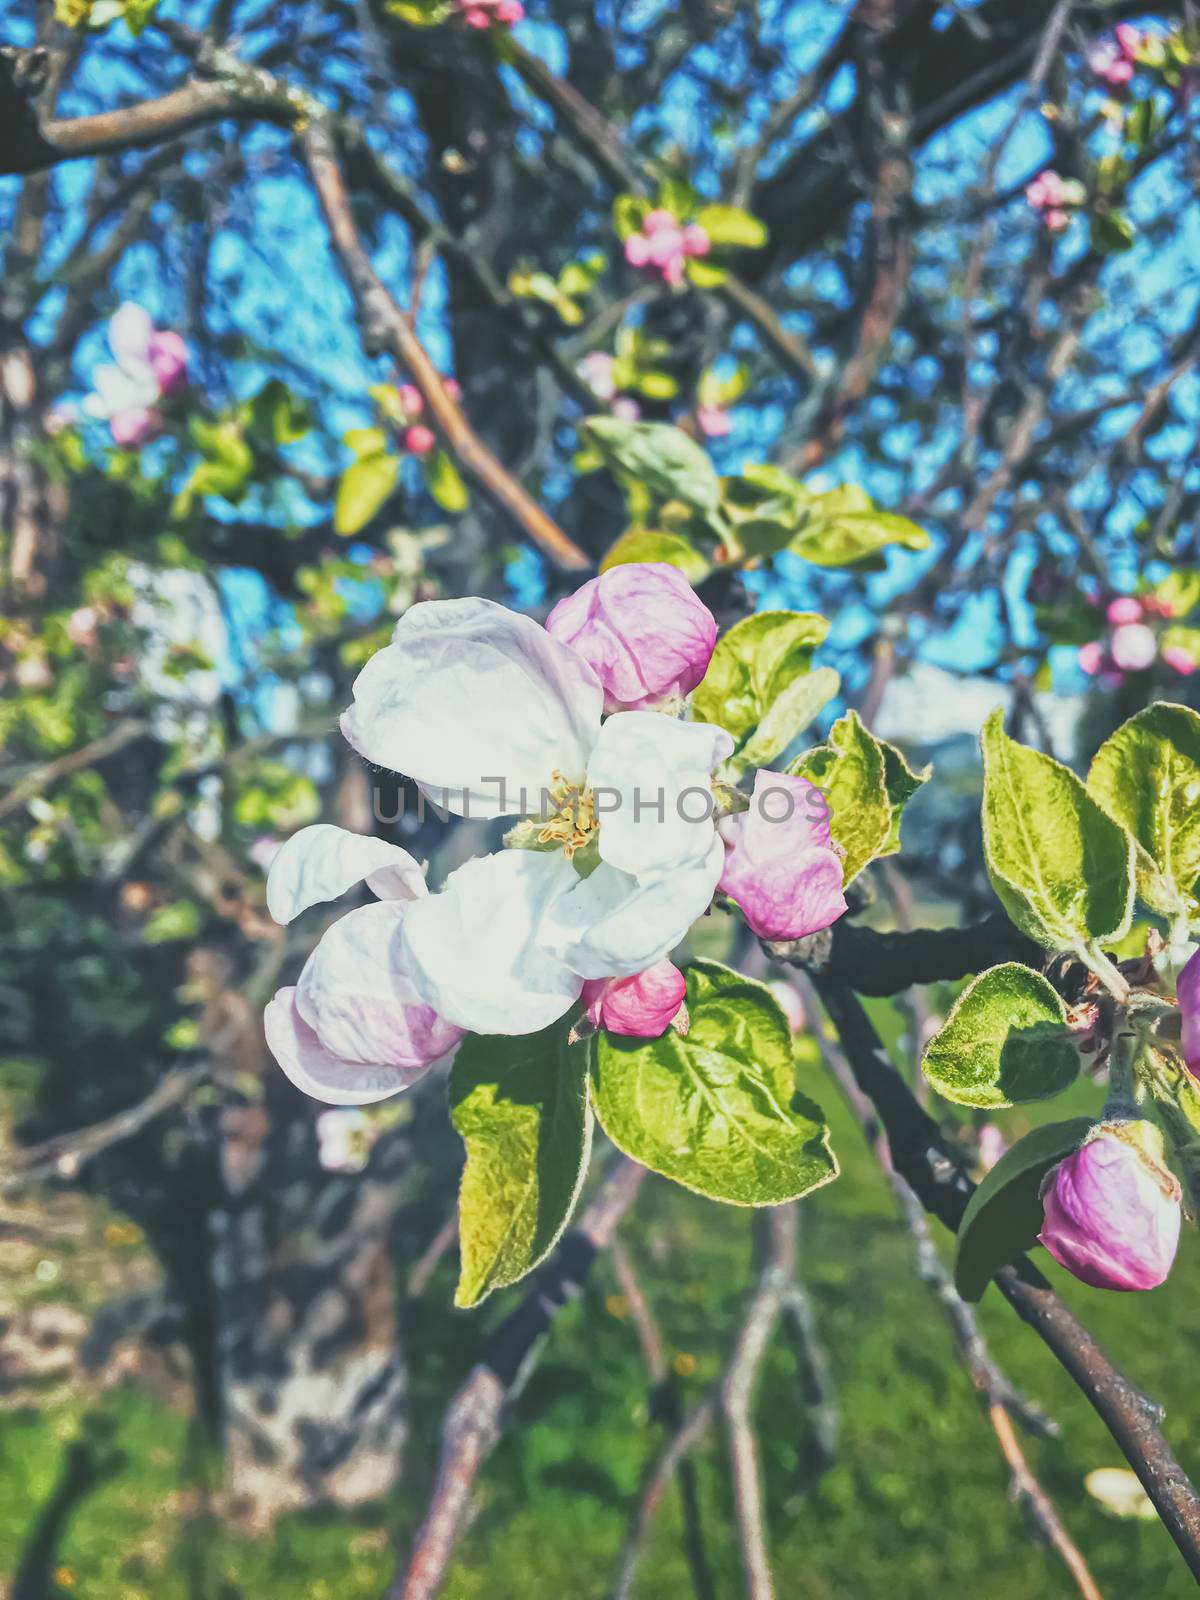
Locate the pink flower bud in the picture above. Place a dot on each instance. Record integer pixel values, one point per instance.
(1111, 1211)
(132, 428)
(626, 408)
(1178, 658)
(167, 354)
(695, 240)
(412, 401)
(642, 631)
(1124, 609)
(637, 250)
(660, 221)
(1110, 66)
(420, 440)
(1133, 646)
(1187, 992)
(596, 370)
(81, 626)
(1091, 657)
(790, 1002)
(641, 1007)
(1045, 193)
(1129, 40)
(714, 421)
(780, 864)
(510, 12)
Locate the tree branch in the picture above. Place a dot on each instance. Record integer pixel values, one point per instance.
(472, 1422)
(877, 964)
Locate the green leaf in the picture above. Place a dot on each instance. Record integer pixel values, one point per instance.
(366, 441)
(705, 274)
(657, 385)
(1004, 1216)
(1004, 1042)
(851, 773)
(843, 528)
(629, 212)
(1147, 777)
(647, 545)
(901, 783)
(365, 486)
(716, 1111)
(1112, 232)
(444, 482)
(278, 415)
(787, 716)
(658, 455)
(753, 663)
(729, 227)
(520, 1106)
(1063, 869)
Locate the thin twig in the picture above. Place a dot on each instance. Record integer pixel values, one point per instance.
(472, 1422)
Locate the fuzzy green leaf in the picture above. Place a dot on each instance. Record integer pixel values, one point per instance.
(1147, 777)
(364, 488)
(1004, 1042)
(521, 1108)
(851, 772)
(716, 1111)
(1062, 867)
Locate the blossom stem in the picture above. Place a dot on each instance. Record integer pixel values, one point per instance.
(1105, 971)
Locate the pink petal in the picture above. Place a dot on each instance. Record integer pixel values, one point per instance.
(780, 864)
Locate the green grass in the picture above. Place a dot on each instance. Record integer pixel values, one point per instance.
(917, 1501)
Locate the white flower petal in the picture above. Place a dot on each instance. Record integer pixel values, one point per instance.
(314, 1070)
(651, 776)
(357, 996)
(322, 862)
(130, 331)
(613, 925)
(119, 391)
(474, 949)
(469, 691)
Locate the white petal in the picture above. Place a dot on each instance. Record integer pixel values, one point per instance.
(322, 862)
(651, 775)
(357, 997)
(613, 925)
(474, 950)
(311, 1067)
(119, 391)
(469, 691)
(130, 331)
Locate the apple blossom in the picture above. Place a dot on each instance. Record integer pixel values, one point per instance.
(491, 715)
(1091, 657)
(1187, 992)
(482, 13)
(626, 409)
(82, 625)
(1133, 646)
(642, 1007)
(642, 630)
(1049, 194)
(596, 370)
(1179, 660)
(343, 1139)
(1124, 609)
(1109, 63)
(1111, 1210)
(714, 421)
(353, 1029)
(780, 864)
(665, 243)
(149, 364)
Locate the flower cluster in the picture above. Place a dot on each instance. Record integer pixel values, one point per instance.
(1132, 644)
(1054, 197)
(483, 13)
(406, 409)
(149, 365)
(1114, 61)
(665, 243)
(578, 729)
(597, 369)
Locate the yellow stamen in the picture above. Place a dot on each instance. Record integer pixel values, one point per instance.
(572, 822)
